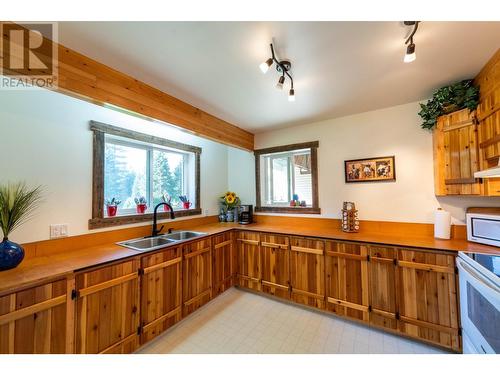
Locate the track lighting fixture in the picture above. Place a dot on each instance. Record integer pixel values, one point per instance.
(283, 67)
(410, 49)
(279, 85)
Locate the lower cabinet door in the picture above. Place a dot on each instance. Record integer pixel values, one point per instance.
(249, 275)
(427, 297)
(347, 292)
(275, 265)
(223, 262)
(161, 292)
(197, 275)
(382, 282)
(107, 309)
(33, 320)
(307, 271)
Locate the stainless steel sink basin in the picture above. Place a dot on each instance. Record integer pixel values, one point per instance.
(183, 235)
(159, 242)
(147, 244)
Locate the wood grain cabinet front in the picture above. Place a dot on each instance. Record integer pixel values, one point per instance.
(34, 320)
(347, 279)
(249, 273)
(427, 297)
(382, 286)
(107, 309)
(307, 271)
(275, 265)
(196, 275)
(224, 262)
(161, 292)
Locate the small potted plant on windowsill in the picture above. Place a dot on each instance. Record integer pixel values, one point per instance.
(141, 205)
(186, 204)
(166, 199)
(112, 206)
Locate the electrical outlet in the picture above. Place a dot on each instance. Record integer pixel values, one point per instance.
(206, 211)
(58, 230)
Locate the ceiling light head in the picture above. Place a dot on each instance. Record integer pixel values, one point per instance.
(410, 53)
(291, 95)
(279, 85)
(264, 67)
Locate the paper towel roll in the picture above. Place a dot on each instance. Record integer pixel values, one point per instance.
(442, 224)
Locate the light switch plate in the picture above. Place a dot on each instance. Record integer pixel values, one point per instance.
(58, 230)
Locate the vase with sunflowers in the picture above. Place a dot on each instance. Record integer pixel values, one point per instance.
(229, 203)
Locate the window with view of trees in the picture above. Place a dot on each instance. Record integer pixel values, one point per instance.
(134, 165)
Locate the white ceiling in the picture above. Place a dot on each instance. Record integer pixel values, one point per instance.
(339, 68)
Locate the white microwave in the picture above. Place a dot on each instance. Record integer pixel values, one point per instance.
(483, 225)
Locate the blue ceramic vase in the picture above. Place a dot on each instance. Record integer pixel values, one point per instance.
(11, 254)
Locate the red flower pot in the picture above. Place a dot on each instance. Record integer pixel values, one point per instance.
(166, 208)
(112, 210)
(141, 208)
(186, 205)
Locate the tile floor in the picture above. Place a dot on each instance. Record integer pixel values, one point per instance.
(243, 322)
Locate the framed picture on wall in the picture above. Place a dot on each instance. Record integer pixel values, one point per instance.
(370, 170)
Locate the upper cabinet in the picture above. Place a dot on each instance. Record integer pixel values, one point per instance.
(469, 141)
(456, 155)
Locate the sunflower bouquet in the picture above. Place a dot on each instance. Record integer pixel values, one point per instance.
(229, 201)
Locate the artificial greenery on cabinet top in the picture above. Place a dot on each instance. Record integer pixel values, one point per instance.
(449, 99)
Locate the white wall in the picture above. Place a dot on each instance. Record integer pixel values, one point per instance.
(241, 174)
(390, 131)
(45, 139)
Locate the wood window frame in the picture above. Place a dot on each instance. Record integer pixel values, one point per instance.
(98, 219)
(313, 146)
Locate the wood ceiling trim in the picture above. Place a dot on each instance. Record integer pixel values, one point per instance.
(88, 79)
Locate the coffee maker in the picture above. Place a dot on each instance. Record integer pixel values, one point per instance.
(246, 214)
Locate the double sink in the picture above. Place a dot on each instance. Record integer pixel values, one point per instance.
(161, 241)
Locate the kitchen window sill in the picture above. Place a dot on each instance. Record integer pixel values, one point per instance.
(138, 218)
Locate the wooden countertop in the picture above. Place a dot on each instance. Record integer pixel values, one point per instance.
(39, 269)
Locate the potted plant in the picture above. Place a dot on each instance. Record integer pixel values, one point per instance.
(230, 201)
(112, 206)
(166, 199)
(17, 203)
(141, 205)
(186, 204)
(449, 99)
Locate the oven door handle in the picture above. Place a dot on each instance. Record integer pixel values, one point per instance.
(484, 282)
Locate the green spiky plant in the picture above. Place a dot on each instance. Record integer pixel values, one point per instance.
(17, 203)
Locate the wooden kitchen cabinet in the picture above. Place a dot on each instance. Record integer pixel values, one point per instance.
(307, 271)
(196, 275)
(382, 286)
(224, 262)
(347, 279)
(161, 292)
(456, 154)
(34, 320)
(427, 297)
(249, 274)
(107, 309)
(275, 265)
